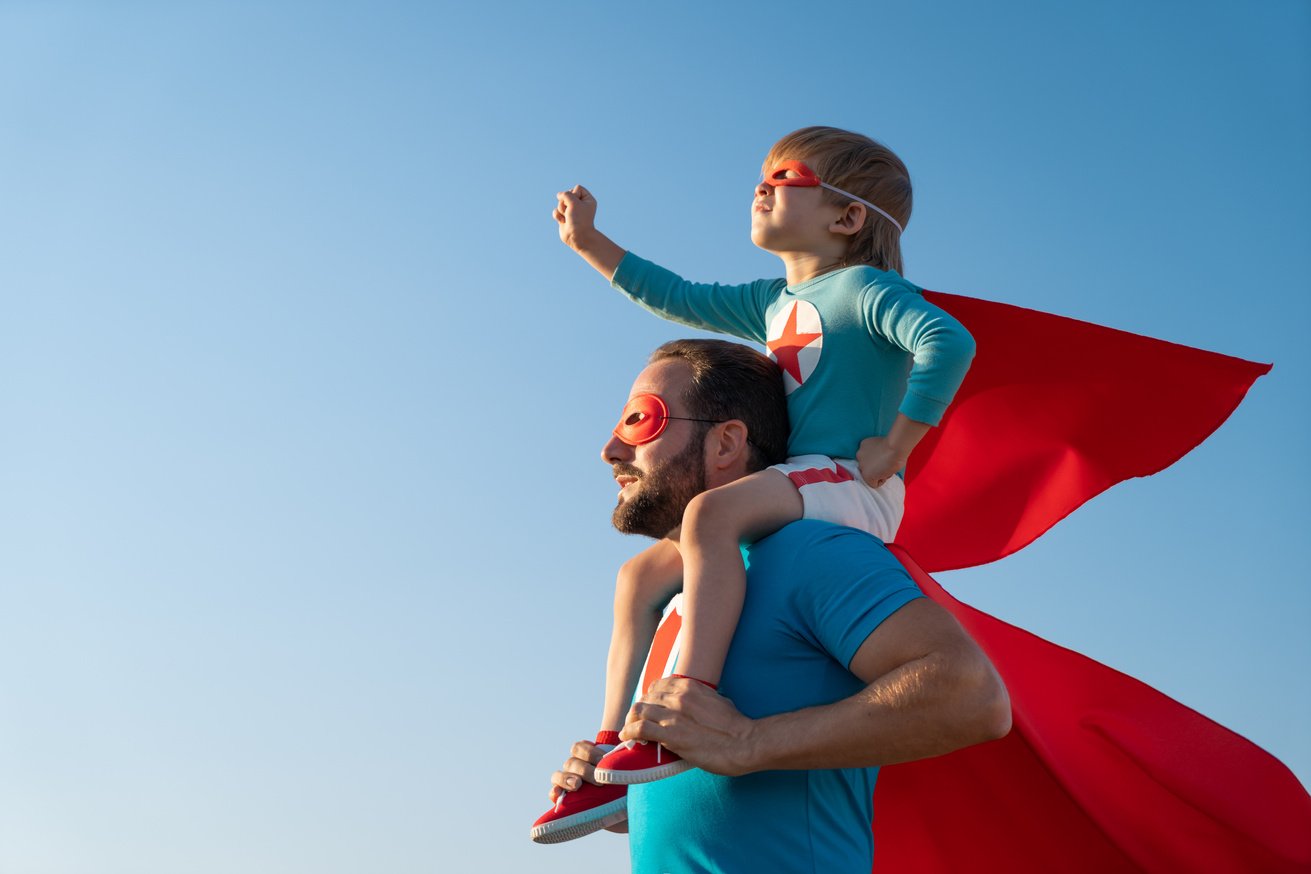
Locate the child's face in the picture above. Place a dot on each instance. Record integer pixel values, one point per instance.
(792, 219)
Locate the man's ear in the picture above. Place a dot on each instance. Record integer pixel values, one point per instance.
(850, 221)
(726, 445)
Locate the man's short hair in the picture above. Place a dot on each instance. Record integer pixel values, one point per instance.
(732, 381)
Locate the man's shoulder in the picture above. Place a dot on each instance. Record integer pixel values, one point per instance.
(834, 585)
(815, 530)
(822, 543)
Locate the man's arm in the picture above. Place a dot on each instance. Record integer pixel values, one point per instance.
(931, 691)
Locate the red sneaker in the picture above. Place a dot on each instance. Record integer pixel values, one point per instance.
(576, 814)
(588, 808)
(636, 761)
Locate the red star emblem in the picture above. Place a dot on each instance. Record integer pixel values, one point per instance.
(788, 344)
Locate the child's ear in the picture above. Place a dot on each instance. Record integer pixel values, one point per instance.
(850, 221)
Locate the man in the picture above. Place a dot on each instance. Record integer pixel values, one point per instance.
(838, 665)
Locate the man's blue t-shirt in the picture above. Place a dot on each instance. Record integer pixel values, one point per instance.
(814, 593)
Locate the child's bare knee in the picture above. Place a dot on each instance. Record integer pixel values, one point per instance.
(650, 577)
(629, 579)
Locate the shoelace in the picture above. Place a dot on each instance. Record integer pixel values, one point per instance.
(559, 799)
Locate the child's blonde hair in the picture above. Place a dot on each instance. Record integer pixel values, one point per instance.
(866, 168)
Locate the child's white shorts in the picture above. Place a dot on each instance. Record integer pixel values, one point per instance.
(832, 490)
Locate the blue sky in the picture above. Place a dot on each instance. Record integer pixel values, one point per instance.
(304, 545)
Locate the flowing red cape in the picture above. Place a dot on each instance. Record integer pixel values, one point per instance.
(1053, 412)
(1100, 773)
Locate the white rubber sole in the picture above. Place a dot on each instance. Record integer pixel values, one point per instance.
(646, 775)
(581, 824)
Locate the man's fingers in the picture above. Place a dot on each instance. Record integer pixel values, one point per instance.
(561, 781)
(674, 693)
(586, 751)
(568, 779)
(583, 193)
(649, 710)
(644, 729)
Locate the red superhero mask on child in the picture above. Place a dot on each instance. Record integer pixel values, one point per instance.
(778, 177)
(805, 178)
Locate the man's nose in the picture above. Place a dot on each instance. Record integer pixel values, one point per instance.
(616, 450)
(763, 189)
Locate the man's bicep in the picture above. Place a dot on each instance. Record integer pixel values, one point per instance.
(917, 629)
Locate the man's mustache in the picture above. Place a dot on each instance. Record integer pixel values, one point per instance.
(621, 469)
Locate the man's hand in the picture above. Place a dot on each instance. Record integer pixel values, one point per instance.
(580, 766)
(930, 691)
(879, 460)
(694, 721)
(575, 212)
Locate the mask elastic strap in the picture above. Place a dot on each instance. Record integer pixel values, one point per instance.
(881, 212)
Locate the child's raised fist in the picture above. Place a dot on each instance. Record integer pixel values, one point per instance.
(575, 211)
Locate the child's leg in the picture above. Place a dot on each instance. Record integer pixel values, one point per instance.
(714, 586)
(643, 586)
(715, 524)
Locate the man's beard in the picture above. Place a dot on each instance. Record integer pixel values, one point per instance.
(657, 505)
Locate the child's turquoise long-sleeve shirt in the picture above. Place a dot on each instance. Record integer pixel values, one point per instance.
(856, 346)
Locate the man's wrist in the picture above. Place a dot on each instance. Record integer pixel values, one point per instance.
(752, 747)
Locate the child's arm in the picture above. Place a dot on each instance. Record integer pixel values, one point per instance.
(881, 457)
(575, 211)
(941, 349)
(728, 309)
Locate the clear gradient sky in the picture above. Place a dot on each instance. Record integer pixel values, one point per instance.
(304, 548)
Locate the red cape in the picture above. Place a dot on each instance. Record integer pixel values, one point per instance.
(1100, 773)
(1041, 424)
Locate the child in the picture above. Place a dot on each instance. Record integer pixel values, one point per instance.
(868, 365)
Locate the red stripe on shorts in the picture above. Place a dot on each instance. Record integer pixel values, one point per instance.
(665, 638)
(820, 475)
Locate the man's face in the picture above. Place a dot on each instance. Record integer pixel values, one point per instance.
(657, 479)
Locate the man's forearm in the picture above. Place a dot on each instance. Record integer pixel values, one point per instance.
(928, 707)
(931, 691)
